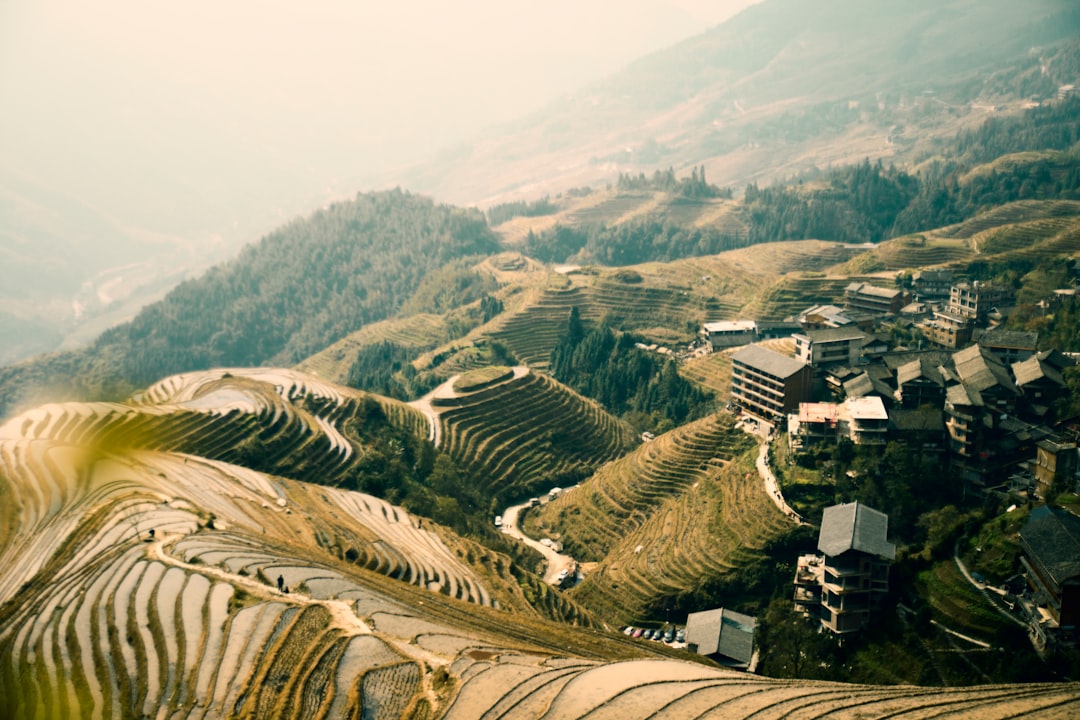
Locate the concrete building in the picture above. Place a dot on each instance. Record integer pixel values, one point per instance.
(975, 300)
(725, 636)
(1056, 463)
(768, 385)
(862, 420)
(948, 329)
(730, 333)
(830, 346)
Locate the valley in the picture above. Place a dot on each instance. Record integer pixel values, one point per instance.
(772, 337)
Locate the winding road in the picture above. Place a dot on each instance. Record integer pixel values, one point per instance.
(557, 562)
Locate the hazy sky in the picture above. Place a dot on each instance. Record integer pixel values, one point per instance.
(181, 116)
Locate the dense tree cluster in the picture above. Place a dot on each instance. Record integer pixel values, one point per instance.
(640, 240)
(299, 289)
(695, 186)
(498, 214)
(640, 385)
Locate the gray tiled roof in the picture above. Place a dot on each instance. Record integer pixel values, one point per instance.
(768, 361)
(1053, 536)
(854, 526)
(962, 395)
(834, 334)
(981, 370)
(1021, 339)
(1034, 368)
(921, 367)
(722, 632)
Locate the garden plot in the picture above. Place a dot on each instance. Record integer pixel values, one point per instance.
(152, 667)
(193, 599)
(387, 692)
(216, 610)
(363, 653)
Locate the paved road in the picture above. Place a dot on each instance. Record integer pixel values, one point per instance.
(557, 562)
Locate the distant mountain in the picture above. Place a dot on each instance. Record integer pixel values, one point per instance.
(69, 271)
(783, 86)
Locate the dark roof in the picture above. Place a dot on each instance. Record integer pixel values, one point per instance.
(768, 361)
(833, 334)
(722, 632)
(922, 419)
(1052, 535)
(859, 386)
(963, 395)
(854, 526)
(980, 370)
(921, 367)
(894, 360)
(1009, 339)
(1034, 368)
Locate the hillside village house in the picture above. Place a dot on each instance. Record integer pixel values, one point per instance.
(1051, 560)
(844, 585)
(725, 636)
(768, 385)
(976, 299)
(863, 420)
(1010, 345)
(830, 346)
(932, 284)
(873, 299)
(730, 333)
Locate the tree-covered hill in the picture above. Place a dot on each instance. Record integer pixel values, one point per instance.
(302, 287)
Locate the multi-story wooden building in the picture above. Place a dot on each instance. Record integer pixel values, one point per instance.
(852, 573)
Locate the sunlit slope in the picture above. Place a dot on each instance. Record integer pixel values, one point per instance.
(384, 617)
(525, 430)
(682, 510)
(672, 691)
(623, 495)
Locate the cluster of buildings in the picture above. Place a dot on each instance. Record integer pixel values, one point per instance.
(984, 405)
(978, 397)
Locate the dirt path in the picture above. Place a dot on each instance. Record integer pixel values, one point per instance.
(340, 611)
(556, 562)
(763, 431)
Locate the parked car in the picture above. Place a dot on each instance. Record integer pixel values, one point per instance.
(669, 635)
(647, 635)
(638, 632)
(629, 630)
(498, 521)
(680, 635)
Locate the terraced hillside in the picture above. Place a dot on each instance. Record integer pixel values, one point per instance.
(416, 331)
(525, 431)
(713, 529)
(623, 495)
(144, 582)
(1027, 228)
(672, 691)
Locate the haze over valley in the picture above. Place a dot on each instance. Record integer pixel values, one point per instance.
(668, 359)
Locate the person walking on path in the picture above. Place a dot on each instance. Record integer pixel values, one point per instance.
(280, 583)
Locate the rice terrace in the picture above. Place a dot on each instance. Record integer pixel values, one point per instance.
(740, 382)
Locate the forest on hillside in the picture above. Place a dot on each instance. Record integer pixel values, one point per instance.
(864, 202)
